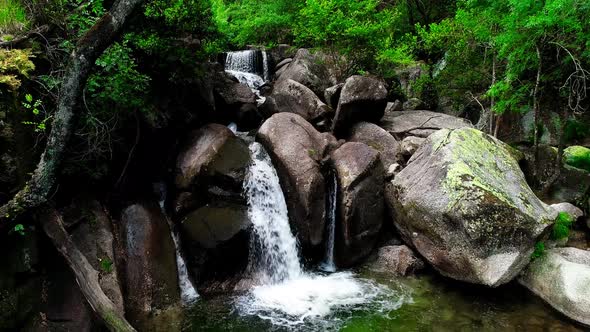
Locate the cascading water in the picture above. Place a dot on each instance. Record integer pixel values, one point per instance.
(328, 264)
(188, 293)
(248, 66)
(286, 295)
(276, 247)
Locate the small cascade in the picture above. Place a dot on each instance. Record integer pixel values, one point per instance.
(328, 264)
(249, 67)
(286, 295)
(188, 293)
(276, 247)
(265, 70)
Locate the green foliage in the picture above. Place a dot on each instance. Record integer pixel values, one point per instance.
(117, 81)
(13, 17)
(35, 106)
(15, 64)
(577, 156)
(106, 265)
(539, 250)
(19, 229)
(576, 129)
(261, 22)
(562, 226)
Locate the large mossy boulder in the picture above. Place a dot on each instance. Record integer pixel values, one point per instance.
(420, 123)
(379, 139)
(152, 296)
(362, 98)
(464, 204)
(297, 150)
(562, 278)
(211, 152)
(360, 205)
(291, 96)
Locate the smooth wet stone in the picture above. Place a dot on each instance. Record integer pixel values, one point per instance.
(396, 260)
(297, 150)
(360, 201)
(211, 151)
(378, 139)
(561, 277)
(152, 296)
(363, 98)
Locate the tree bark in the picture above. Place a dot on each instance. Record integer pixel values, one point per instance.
(536, 109)
(86, 275)
(89, 48)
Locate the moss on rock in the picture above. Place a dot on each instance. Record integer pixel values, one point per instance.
(577, 156)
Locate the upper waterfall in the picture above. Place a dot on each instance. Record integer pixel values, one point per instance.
(250, 67)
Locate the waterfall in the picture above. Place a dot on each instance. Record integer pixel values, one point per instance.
(265, 71)
(277, 258)
(249, 67)
(328, 264)
(286, 295)
(188, 293)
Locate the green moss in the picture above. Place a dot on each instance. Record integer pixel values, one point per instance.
(474, 165)
(562, 226)
(539, 250)
(577, 156)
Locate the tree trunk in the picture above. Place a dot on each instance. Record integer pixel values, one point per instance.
(89, 48)
(86, 275)
(492, 100)
(536, 108)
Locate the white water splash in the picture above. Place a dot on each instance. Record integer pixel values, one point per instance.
(276, 258)
(328, 264)
(286, 295)
(244, 66)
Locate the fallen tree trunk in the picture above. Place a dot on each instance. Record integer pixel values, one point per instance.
(88, 49)
(86, 275)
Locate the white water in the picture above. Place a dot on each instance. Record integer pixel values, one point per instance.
(286, 295)
(243, 66)
(276, 248)
(328, 264)
(188, 293)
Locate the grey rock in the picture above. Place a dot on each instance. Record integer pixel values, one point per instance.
(362, 98)
(420, 123)
(332, 95)
(294, 97)
(395, 106)
(569, 208)
(413, 104)
(463, 203)
(309, 70)
(360, 201)
(213, 150)
(284, 62)
(152, 297)
(378, 139)
(399, 261)
(561, 277)
(410, 144)
(297, 149)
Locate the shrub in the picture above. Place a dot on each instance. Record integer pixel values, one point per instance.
(562, 226)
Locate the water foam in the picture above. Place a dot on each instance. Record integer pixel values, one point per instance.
(286, 295)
